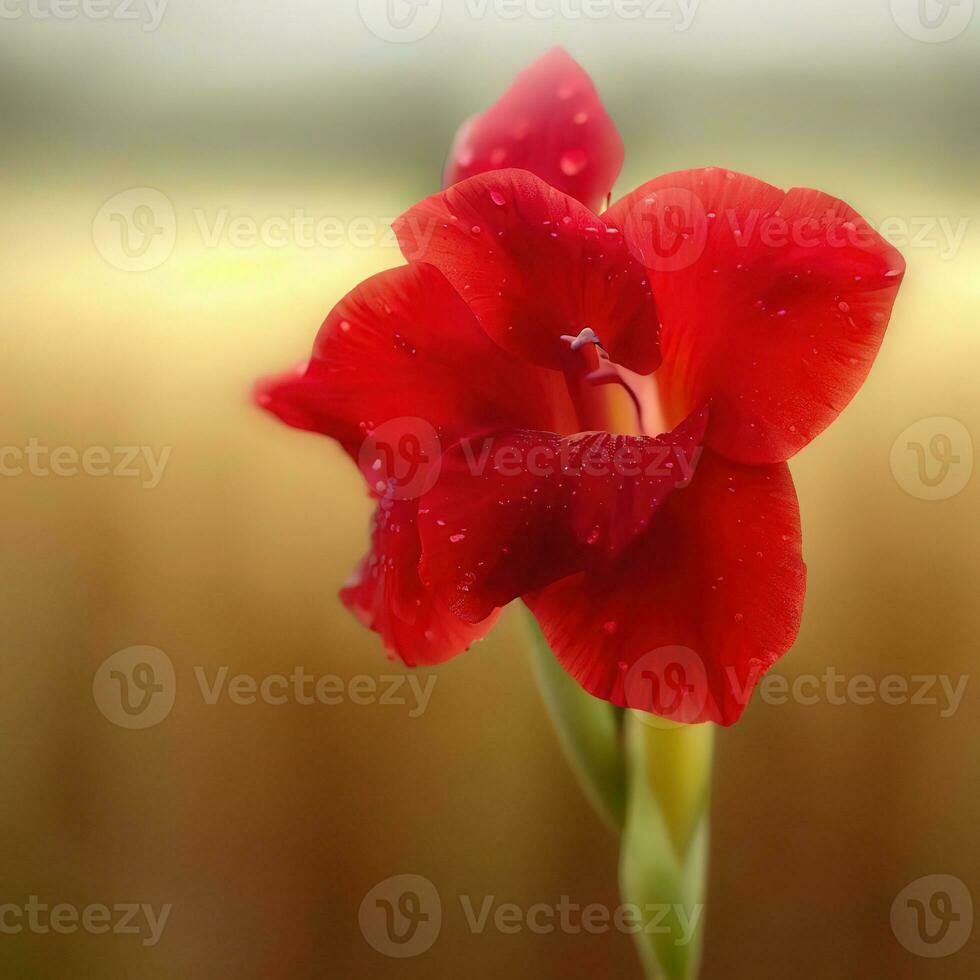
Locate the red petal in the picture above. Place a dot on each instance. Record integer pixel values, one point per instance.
(403, 346)
(533, 265)
(550, 122)
(715, 586)
(388, 597)
(772, 307)
(517, 511)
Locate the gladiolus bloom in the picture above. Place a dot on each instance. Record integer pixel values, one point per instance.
(470, 387)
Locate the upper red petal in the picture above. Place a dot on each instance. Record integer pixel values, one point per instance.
(772, 305)
(404, 346)
(514, 512)
(387, 595)
(550, 122)
(687, 621)
(533, 265)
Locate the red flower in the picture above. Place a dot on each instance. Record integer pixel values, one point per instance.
(471, 387)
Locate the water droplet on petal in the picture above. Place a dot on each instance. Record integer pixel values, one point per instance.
(573, 162)
(498, 198)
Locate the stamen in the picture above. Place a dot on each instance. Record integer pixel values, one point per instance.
(640, 388)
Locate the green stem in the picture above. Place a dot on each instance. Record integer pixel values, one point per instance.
(663, 859)
(650, 780)
(589, 732)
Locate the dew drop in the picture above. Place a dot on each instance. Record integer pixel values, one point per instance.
(498, 198)
(573, 162)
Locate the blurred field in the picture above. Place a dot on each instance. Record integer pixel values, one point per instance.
(265, 825)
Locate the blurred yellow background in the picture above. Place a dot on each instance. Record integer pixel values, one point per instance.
(265, 825)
